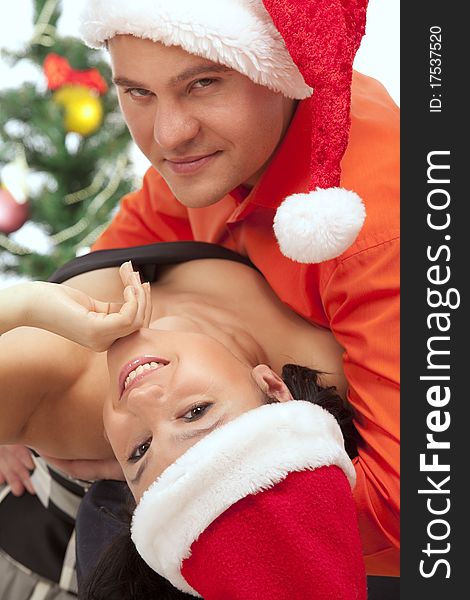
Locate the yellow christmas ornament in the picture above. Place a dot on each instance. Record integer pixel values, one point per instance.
(83, 108)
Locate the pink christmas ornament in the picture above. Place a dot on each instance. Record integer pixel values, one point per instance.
(13, 214)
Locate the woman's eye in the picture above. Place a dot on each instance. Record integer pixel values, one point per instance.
(196, 412)
(139, 451)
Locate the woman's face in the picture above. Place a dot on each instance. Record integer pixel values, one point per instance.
(168, 390)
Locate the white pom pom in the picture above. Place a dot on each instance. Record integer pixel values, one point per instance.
(320, 225)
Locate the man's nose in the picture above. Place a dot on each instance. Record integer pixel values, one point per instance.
(174, 126)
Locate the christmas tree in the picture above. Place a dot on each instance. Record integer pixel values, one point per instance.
(69, 134)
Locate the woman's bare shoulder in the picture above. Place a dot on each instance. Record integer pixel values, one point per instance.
(102, 284)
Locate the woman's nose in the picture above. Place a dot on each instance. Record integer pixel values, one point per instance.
(144, 401)
(174, 126)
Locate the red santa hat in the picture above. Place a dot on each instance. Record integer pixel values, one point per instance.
(301, 48)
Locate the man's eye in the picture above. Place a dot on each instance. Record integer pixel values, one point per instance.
(196, 412)
(137, 92)
(139, 451)
(203, 83)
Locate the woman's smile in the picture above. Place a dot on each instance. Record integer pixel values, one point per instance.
(137, 369)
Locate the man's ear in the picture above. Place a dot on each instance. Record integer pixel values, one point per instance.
(271, 384)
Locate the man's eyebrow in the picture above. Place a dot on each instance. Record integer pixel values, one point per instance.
(124, 82)
(194, 71)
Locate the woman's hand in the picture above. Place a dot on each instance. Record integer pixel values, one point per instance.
(75, 315)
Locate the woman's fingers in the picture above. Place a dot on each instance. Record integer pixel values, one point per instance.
(131, 280)
(137, 279)
(134, 308)
(127, 274)
(148, 305)
(144, 304)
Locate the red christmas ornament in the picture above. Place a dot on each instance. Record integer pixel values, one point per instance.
(59, 73)
(13, 214)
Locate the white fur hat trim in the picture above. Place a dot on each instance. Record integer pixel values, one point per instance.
(237, 33)
(251, 453)
(320, 225)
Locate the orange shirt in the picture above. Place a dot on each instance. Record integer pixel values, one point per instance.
(355, 295)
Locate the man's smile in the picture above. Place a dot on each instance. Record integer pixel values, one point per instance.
(190, 164)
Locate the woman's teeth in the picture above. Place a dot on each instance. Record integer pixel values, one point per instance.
(140, 369)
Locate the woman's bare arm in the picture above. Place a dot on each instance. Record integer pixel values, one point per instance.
(35, 365)
(52, 396)
(39, 369)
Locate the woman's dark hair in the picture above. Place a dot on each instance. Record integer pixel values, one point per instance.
(304, 384)
(121, 574)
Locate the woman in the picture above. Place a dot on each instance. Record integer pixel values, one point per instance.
(172, 394)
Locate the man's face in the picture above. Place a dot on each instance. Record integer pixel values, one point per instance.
(204, 127)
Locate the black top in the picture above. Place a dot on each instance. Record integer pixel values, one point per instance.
(147, 259)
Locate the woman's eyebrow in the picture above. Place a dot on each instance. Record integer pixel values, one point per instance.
(179, 437)
(189, 435)
(140, 470)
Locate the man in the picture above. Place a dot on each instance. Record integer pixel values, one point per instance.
(227, 147)
(219, 107)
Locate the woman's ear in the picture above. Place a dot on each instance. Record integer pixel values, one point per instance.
(271, 384)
